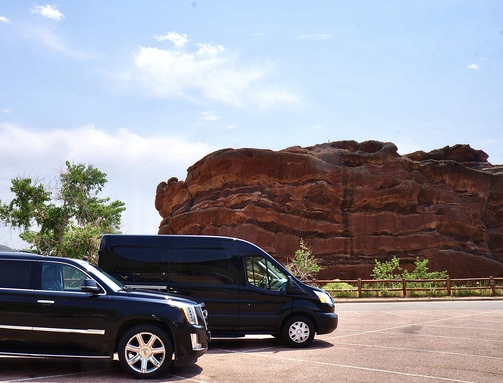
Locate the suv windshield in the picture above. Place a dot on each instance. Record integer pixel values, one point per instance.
(110, 281)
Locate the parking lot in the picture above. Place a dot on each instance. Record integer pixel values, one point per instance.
(433, 341)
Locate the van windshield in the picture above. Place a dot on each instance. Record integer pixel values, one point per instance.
(264, 274)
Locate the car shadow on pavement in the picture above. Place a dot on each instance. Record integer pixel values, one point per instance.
(248, 344)
(33, 368)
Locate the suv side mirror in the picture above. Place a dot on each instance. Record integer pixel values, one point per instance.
(89, 286)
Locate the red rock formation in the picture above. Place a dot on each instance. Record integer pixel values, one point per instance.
(351, 202)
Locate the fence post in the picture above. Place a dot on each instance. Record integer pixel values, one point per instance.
(449, 291)
(359, 287)
(404, 287)
(492, 282)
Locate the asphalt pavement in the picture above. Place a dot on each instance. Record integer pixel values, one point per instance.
(377, 341)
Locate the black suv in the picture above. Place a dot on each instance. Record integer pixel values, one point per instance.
(61, 307)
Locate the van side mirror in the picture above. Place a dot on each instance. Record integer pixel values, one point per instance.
(292, 287)
(89, 286)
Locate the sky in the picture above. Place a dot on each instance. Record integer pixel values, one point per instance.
(141, 90)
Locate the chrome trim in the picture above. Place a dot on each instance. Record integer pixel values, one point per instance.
(55, 355)
(89, 331)
(45, 302)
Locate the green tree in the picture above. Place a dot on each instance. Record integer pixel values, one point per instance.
(387, 269)
(303, 265)
(67, 219)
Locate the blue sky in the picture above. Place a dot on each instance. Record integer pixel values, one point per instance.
(142, 90)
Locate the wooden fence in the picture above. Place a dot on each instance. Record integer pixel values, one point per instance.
(410, 287)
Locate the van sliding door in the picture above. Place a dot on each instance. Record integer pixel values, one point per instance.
(210, 276)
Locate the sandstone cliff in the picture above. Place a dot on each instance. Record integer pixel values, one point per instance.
(351, 202)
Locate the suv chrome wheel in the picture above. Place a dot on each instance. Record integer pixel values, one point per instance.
(145, 351)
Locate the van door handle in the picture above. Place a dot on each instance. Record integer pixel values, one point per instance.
(45, 302)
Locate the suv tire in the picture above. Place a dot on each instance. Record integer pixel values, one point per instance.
(145, 351)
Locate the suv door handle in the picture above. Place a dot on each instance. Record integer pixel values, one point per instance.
(45, 302)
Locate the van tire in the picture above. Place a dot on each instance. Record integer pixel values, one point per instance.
(145, 351)
(298, 331)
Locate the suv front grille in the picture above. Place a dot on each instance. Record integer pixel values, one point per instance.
(202, 315)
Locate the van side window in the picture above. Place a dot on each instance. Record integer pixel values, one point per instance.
(138, 264)
(15, 274)
(262, 273)
(202, 266)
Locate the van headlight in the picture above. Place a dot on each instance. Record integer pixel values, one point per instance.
(188, 310)
(324, 297)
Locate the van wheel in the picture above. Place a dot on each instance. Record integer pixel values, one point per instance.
(298, 331)
(145, 351)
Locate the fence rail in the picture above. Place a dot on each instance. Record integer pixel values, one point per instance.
(408, 287)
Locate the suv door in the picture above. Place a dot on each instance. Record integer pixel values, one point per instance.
(66, 320)
(16, 304)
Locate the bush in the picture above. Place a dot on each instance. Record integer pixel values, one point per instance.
(304, 265)
(340, 289)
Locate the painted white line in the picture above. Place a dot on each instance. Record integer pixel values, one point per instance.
(360, 368)
(492, 329)
(56, 376)
(184, 378)
(450, 337)
(420, 350)
(412, 324)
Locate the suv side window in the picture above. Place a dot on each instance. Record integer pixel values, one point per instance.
(61, 277)
(15, 274)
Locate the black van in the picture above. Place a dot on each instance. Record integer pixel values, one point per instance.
(244, 289)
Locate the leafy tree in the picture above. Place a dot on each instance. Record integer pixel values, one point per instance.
(392, 270)
(387, 270)
(303, 265)
(67, 219)
(421, 271)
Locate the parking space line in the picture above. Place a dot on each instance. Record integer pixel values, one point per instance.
(420, 350)
(450, 337)
(412, 324)
(30, 379)
(361, 368)
(185, 379)
(465, 327)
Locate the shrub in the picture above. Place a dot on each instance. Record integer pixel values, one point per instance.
(304, 265)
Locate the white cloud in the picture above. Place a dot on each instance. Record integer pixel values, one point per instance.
(210, 116)
(317, 36)
(473, 66)
(134, 165)
(207, 74)
(53, 40)
(4, 19)
(48, 11)
(175, 38)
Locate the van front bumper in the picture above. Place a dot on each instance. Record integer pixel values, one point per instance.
(327, 322)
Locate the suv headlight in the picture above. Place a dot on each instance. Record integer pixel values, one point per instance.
(188, 310)
(324, 297)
